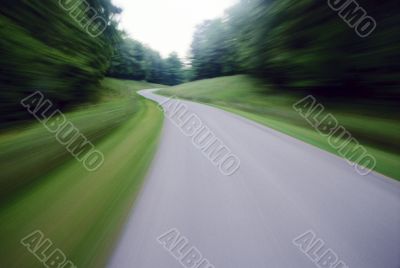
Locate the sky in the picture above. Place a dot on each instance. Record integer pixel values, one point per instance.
(168, 25)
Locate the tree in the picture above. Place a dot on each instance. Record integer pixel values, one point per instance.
(133, 60)
(44, 48)
(213, 52)
(302, 45)
(173, 70)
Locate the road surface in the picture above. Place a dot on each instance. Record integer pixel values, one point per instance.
(283, 189)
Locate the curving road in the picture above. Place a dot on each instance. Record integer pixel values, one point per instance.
(282, 189)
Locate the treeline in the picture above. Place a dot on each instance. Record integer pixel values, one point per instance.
(46, 45)
(64, 48)
(303, 45)
(132, 60)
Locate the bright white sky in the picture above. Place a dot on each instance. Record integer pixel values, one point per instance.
(168, 25)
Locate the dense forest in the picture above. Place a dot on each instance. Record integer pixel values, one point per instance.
(303, 45)
(296, 45)
(132, 60)
(46, 46)
(43, 48)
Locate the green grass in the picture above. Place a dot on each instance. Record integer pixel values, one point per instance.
(81, 212)
(373, 126)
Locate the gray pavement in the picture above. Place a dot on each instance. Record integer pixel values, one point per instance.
(284, 187)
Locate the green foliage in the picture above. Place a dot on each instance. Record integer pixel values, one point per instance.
(128, 61)
(173, 70)
(133, 60)
(213, 50)
(303, 45)
(81, 212)
(43, 48)
(41, 150)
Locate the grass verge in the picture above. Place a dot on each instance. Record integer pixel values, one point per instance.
(80, 212)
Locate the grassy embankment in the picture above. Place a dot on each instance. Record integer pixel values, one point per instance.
(44, 188)
(374, 127)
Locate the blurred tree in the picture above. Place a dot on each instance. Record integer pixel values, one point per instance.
(213, 52)
(303, 45)
(132, 60)
(127, 61)
(173, 70)
(43, 48)
(154, 66)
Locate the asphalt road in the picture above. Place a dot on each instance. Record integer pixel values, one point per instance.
(283, 188)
